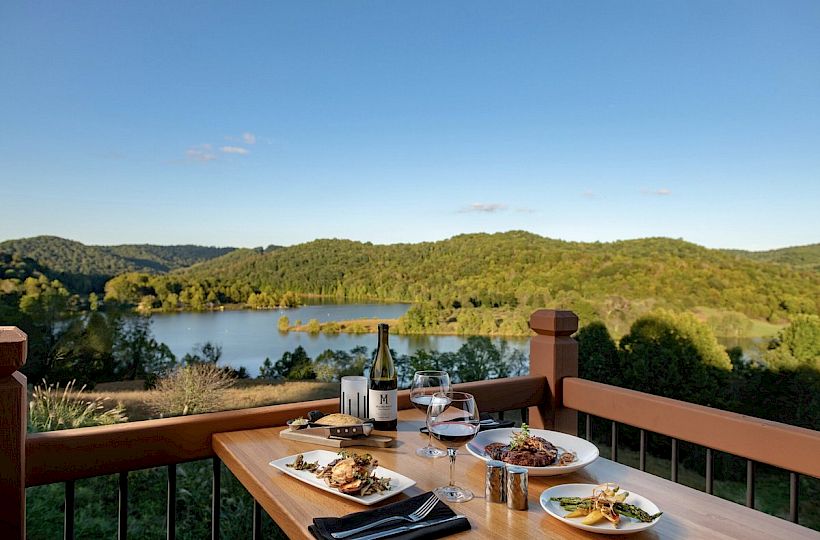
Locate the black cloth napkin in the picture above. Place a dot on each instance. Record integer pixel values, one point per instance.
(322, 527)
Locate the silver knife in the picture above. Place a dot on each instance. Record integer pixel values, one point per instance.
(405, 528)
(346, 432)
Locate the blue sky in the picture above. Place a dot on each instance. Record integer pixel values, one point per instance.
(262, 123)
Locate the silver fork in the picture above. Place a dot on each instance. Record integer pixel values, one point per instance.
(420, 513)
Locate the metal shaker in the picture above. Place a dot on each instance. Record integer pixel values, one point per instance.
(495, 482)
(517, 485)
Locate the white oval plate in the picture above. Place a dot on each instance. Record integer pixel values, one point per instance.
(398, 482)
(626, 526)
(586, 451)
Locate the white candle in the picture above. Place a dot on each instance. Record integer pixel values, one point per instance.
(353, 400)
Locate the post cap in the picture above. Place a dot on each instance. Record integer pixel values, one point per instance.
(13, 349)
(554, 322)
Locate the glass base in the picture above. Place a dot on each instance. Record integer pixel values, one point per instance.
(431, 452)
(453, 494)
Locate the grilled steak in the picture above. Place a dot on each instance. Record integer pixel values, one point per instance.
(537, 452)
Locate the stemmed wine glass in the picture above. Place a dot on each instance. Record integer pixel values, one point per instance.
(425, 385)
(453, 420)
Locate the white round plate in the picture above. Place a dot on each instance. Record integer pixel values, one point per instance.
(585, 450)
(626, 526)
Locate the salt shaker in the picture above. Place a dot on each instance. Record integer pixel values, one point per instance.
(517, 488)
(494, 485)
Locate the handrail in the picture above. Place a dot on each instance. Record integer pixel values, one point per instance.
(58, 456)
(788, 447)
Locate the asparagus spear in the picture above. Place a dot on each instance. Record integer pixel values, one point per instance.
(629, 510)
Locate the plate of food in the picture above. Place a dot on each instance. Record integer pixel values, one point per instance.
(602, 509)
(352, 475)
(541, 452)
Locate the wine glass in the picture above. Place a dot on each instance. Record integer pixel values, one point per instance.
(453, 421)
(425, 385)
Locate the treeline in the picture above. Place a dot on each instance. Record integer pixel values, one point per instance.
(805, 257)
(476, 283)
(488, 284)
(676, 356)
(477, 360)
(83, 269)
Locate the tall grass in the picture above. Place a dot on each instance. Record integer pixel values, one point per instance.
(51, 409)
(191, 389)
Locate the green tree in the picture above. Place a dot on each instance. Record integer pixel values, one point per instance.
(294, 365)
(676, 356)
(597, 354)
(480, 360)
(137, 354)
(266, 370)
(313, 326)
(284, 323)
(206, 353)
(796, 345)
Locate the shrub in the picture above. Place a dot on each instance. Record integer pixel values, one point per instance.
(313, 327)
(50, 409)
(190, 389)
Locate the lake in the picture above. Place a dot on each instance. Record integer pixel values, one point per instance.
(248, 337)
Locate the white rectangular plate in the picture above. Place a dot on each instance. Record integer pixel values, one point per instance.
(398, 482)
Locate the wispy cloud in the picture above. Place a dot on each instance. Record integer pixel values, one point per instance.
(588, 194)
(525, 210)
(249, 138)
(234, 150)
(488, 208)
(662, 192)
(203, 152)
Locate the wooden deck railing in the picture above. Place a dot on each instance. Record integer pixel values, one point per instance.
(550, 397)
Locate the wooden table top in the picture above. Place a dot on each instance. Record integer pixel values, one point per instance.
(688, 513)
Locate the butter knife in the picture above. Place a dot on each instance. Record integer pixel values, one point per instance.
(405, 528)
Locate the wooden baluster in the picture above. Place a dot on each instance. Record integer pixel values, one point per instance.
(554, 355)
(13, 419)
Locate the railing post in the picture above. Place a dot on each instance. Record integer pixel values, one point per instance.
(554, 355)
(13, 419)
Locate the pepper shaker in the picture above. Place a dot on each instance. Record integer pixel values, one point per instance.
(494, 486)
(517, 488)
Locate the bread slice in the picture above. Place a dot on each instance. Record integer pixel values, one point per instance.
(338, 419)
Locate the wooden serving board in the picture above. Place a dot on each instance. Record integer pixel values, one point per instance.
(380, 441)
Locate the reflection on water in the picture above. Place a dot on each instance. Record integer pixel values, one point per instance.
(248, 337)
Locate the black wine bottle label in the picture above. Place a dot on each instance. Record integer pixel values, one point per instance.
(381, 396)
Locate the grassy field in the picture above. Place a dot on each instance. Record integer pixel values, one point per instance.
(753, 328)
(244, 394)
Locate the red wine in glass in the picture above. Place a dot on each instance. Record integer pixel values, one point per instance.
(453, 434)
(453, 421)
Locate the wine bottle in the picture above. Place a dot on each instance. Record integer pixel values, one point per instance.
(381, 397)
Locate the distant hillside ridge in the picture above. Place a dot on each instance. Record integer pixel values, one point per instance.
(804, 257)
(512, 269)
(85, 268)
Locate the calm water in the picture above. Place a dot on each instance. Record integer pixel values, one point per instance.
(248, 337)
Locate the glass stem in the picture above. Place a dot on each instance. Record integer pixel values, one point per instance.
(451, 452)
(429, 439)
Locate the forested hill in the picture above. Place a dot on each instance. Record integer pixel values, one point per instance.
(511, 269)
(84, 268)
(803, 257)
